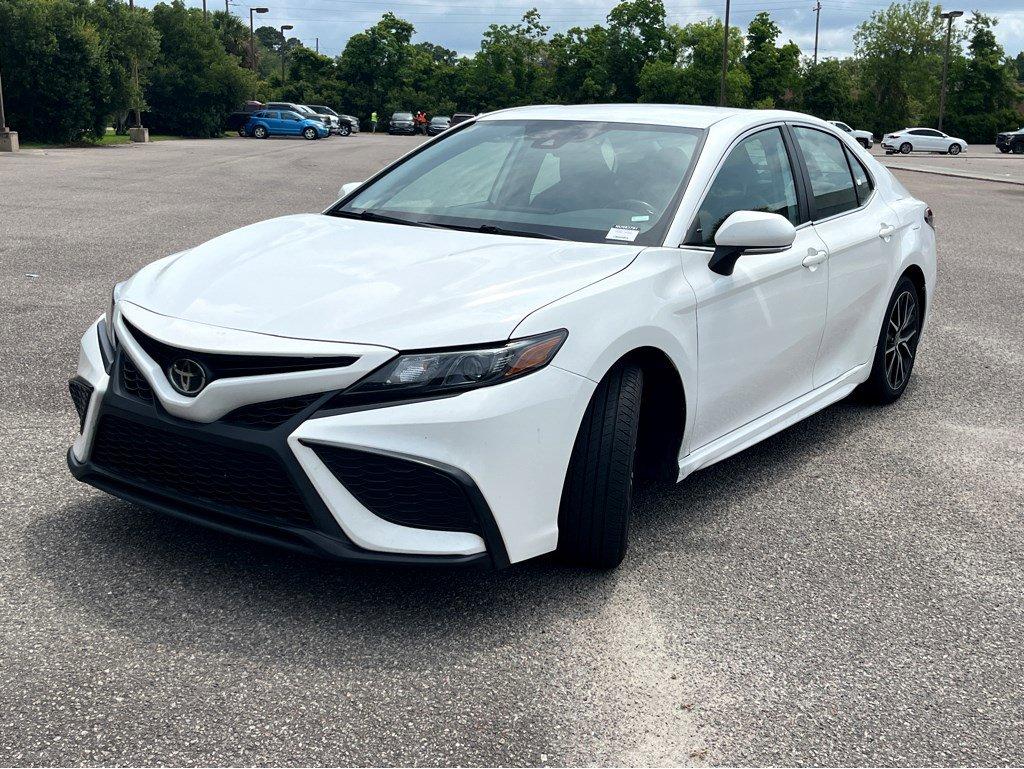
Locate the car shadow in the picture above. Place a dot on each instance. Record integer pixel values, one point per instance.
(171, 584)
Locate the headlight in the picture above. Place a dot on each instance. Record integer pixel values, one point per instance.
(115, 296)
(426, 374)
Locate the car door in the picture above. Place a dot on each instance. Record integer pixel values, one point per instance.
(860, 233)
(758, 329)
(291, 123)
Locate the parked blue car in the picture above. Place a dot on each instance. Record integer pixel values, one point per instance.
(269, 122)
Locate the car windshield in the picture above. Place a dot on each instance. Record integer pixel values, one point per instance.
(402, 116)
(325, 110)
(589, 181)
(439, 119)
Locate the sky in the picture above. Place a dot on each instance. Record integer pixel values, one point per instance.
(459, 24)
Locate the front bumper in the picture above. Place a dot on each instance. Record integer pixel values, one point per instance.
(503, 448)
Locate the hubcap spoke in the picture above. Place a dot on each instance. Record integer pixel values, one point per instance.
(902, 328)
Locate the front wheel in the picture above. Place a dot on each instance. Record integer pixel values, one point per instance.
(897, 346)
(906, 148)
(954, 149)
(344, 129)
(310, 133)
(593, 520)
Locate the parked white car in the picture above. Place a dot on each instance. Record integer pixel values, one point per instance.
(922, 140)
(471, 355)
(864, 138)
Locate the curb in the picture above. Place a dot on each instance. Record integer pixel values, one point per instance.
(954, 174)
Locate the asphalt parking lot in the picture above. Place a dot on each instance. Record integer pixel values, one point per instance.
(847, 592)
(982, 161)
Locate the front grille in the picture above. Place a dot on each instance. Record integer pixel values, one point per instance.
(270, 414)
(81, 392)
(232, 479)
(403, 492)
(220, 365)
(132, 381)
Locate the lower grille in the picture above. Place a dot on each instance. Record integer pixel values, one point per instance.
(132, 381)
(270, 414)
(401, 491)
(232, 479)
(81, 392)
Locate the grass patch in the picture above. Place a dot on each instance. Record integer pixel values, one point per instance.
(109, 139)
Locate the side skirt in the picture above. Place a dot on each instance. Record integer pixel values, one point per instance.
(773, 422)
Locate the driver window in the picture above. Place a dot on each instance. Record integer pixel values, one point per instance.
(757, 176)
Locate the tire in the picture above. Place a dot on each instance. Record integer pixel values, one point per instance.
(241, 130)
(893, 363)
(954, 149)
(260, 132)
(1004, 150)
(864, 143)
(344, 129)
(593, 520)
(906, 148)
(310, 133)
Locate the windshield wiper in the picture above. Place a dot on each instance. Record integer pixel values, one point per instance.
(373, 216)
(493, 229)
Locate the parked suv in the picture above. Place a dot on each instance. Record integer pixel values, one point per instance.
(1011, 141)
(922, 140)
(339, 124)
(402, 123)
(863, 138)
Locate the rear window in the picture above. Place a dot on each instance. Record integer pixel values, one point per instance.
(831, 181)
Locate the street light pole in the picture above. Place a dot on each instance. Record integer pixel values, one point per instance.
(284, 40)
(252, 41)
(725, 56)
(948, 16)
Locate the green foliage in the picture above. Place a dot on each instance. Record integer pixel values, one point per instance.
(71, 67)
(195, 82)
(56, 75)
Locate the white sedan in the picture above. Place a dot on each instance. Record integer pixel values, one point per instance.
(864, 138)
(922, 140)
(471, 356)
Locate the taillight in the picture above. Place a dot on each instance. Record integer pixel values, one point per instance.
(929, 218)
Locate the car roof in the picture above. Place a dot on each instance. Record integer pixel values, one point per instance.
(685, 116)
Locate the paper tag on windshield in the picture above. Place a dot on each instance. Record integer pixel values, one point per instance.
(624, 232)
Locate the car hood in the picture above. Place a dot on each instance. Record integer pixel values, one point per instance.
(312, 276)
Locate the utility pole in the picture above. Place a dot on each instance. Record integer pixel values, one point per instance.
(226, 9)
(318, 45)
(817, 24)
(205, 14)
(725, 56)
(284, 40)
(948, 16)
(8, 138)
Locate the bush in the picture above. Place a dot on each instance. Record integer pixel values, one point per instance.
(195, 83)
(55, 74)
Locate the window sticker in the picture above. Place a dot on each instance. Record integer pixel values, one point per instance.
(626, 233)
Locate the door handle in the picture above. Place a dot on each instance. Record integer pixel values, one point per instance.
(886, 232)
(814, 258)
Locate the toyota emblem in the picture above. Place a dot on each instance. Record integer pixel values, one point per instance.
(187, 376)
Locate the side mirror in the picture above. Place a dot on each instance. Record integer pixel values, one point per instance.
(348, 188)
(746, 231)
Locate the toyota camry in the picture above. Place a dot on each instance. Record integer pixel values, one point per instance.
(471, 356)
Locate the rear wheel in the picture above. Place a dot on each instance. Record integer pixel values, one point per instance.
(896, 348)
(260, 132)
(906, 148)
(593, 521)
(954, 149)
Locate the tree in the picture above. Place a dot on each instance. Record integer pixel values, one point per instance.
(774, 72)
(373, 65)
(984, 90)
(579, 65)
(828, 90)
(636, 36)
(195, 82)
(900, 49)
(511, 67)
(56, 74)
